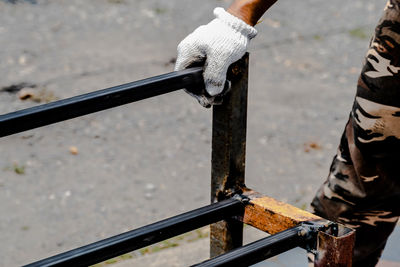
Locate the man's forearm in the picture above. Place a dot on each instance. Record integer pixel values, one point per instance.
(250, 11)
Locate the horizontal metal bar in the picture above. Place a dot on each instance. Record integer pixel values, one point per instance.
(73, 107)
(261, 249)
(144, 236)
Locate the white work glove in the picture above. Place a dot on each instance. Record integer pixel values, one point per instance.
(220, 43)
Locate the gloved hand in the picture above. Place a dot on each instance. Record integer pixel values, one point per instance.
(219, 43)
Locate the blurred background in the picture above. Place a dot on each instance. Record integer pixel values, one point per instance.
(89, 178)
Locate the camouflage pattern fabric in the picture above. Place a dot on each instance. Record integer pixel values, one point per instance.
(363, 187)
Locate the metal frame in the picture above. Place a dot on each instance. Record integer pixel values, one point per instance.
(73, 107)
(332, 246)
(232, 203)
(228, 155)
(144, 236)
(262, 249)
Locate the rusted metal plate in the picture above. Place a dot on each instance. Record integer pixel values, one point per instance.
(273, 216)
(335, 251)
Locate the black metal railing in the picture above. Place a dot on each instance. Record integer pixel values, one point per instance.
(232, 204)
(144, 236)
(73, 107)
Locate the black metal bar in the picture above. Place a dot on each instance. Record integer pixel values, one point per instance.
(228, 155)
(69, 108)
(144, 236)
(261, 249)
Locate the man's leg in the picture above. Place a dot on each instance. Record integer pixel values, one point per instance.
(343, 200)
(363, 187)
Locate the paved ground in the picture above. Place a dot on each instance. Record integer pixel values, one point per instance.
(150, 160)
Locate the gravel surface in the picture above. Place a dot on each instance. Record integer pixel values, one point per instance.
(75, 182)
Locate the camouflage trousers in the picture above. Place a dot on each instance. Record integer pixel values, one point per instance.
(363, 187)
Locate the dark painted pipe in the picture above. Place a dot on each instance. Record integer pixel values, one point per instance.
(73, 107)
(144, 236)
(261, 249)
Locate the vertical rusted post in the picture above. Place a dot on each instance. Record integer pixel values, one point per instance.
(228, 155)
(335, 251)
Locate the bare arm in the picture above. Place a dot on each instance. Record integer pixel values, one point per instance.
(250, 11)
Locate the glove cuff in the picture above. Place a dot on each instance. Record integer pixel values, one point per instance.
(235, 23)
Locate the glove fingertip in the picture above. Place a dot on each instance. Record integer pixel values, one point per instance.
(214, 90)
(177, 67)
(181, 63)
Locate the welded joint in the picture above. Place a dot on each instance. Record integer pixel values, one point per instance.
(332, 244)
(311, 231)
(328, 241)
(244, 199)
(325, 226)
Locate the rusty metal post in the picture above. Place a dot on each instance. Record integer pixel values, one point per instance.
(228, 155)
(335, 251)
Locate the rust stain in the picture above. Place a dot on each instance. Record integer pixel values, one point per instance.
(236, 70)
(312, 146)
(271, 215)
(335, 251)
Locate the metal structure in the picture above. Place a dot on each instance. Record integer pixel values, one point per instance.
(232, 202)
(73, 107)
